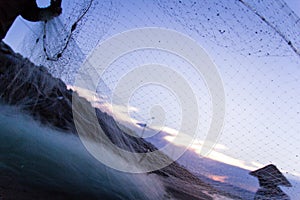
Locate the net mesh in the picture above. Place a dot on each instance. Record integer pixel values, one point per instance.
(254, 44)
(62, 41)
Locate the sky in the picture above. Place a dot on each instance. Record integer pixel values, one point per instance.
(17, 31)
(294, 5)
(259, 71)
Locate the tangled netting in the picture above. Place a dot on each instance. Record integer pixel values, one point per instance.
(254, 44)
(229, 24)
(62, 41)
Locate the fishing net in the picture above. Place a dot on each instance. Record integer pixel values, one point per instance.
(254, 45)
(62, 42)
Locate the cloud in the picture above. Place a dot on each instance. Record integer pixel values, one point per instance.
(218, 178)
(121, 114)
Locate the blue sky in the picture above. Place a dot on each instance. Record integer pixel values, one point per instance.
(19, 28)
(294, 5)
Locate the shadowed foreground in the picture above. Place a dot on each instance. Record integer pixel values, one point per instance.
(45, 98)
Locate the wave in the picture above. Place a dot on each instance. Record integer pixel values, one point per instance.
(49, 158)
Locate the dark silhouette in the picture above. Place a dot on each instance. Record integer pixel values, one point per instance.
(28, 9)
(270, 178)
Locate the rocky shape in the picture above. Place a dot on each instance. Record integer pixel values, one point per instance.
(48, 100)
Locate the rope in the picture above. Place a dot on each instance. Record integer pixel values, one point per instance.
(58, 54)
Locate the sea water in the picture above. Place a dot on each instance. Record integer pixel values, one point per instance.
(47, 157)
